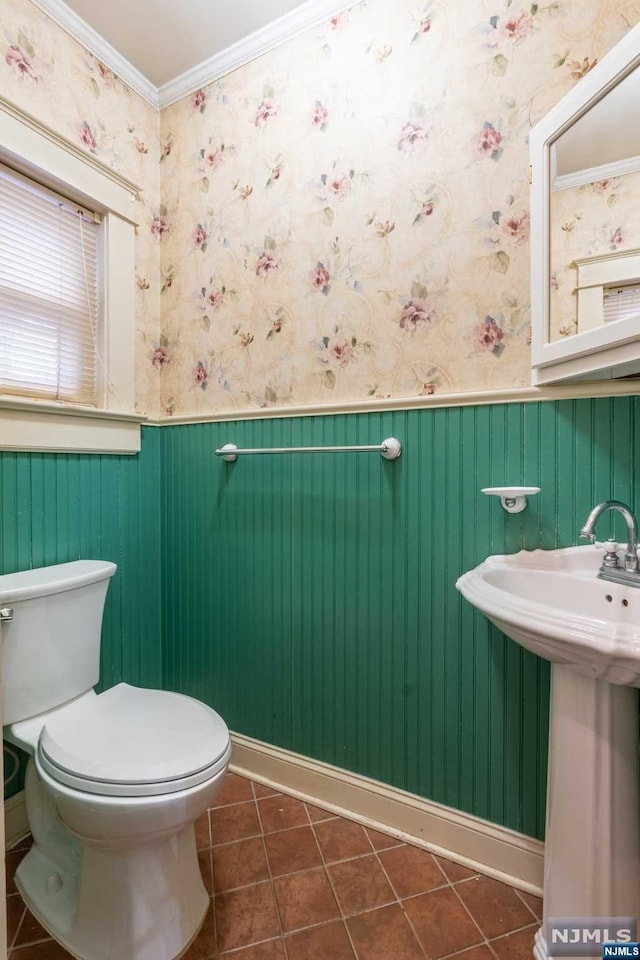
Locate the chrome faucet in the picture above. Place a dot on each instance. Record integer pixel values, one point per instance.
(611, 568)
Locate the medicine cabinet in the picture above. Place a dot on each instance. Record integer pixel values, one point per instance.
(585, 226)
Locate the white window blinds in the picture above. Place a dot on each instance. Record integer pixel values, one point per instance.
(48, 293)
(621, 303)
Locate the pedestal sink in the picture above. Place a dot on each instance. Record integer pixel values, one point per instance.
(551, 602)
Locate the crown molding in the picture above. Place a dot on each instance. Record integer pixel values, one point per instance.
(261, 41)
(89, 38)
(606, 171)
(267, 38)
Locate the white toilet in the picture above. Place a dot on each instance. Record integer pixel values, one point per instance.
(115, 780)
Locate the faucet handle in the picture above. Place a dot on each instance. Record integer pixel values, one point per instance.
(609, 546)
(610, 558)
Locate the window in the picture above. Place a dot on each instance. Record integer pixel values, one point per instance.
(67, 265)
(49, 325)
(607, 289)
(621, 303)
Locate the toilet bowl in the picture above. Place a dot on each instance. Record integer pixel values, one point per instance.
(115, 780)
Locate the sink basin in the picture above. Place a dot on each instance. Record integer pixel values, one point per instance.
(552, 602)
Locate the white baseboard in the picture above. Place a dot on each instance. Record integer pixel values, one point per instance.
(491, 849)
(16, 825)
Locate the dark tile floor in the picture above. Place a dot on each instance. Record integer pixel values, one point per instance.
(289, 881)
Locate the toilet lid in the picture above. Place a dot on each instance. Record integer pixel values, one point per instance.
(130, 741)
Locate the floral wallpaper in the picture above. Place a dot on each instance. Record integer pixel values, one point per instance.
(345, 217)
(588, 221)
(46, 73)
(348, 216)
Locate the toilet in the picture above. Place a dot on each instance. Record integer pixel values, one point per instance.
(115, 781)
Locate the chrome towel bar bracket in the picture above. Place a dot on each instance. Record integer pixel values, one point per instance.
(390, 449)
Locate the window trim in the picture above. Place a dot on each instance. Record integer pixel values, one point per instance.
(36, 151)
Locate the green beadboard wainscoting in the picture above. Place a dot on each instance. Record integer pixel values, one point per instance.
(59, 507)
(311, 598)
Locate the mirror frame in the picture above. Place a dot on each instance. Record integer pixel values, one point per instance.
(590, 355)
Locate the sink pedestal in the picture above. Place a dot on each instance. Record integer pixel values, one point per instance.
(553, 603)
(592, 843)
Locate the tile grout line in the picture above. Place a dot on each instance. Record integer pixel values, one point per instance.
(488, 941)
(269, 871)
(510, 933)
(10, 945)
(331, 884)
(458, 953)
(213, 887)
(237, 803)
(373, 852)
(399, 900)
(485, 939)
(244, 886)
(376, 852)
(283, 937)
(342, 918)
(31, 943)
(213, 896)
(530, 909)
(492, 950)
(294, 873)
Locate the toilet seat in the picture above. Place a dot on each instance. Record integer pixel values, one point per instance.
(134, 742)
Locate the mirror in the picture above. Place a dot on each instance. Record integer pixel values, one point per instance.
(585, 226)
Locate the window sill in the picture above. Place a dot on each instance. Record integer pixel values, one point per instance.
(39, 426)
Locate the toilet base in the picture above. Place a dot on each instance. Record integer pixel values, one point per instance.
(144, 904)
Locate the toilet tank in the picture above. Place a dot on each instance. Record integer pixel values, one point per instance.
(51, 647)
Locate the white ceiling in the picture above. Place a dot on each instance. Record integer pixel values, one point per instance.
(165, 49)
(165, 38)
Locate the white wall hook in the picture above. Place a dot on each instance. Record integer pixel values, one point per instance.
(513, 499)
